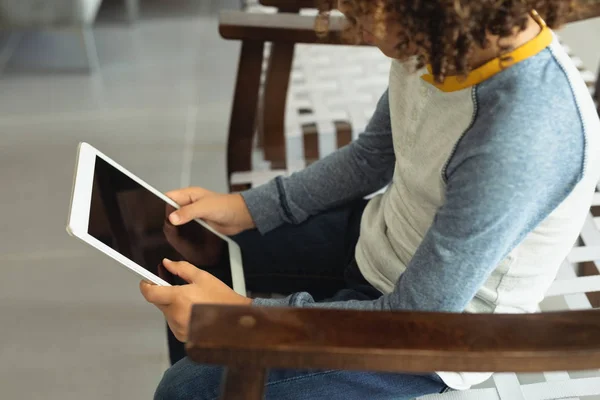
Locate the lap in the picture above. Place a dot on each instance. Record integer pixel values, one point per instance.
(311, 256)
(187, 380)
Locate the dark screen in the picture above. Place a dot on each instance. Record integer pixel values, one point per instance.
(133, 221)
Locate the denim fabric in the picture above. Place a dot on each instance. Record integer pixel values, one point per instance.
(189, 381)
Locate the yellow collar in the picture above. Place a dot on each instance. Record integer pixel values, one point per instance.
(493, 67)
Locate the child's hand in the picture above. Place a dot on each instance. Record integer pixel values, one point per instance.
(176, 302)
(227, 213)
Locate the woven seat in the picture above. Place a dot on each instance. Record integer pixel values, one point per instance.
(332, 94)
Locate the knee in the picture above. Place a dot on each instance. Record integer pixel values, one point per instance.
(187, 380)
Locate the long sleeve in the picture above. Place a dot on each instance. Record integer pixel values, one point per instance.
(354, 171)
(501, 183)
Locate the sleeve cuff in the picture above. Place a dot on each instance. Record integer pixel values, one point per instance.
(271, 302)
(264, 206)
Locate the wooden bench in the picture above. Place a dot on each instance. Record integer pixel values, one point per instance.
(262, 108)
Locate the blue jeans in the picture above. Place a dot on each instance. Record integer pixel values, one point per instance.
(318, 257)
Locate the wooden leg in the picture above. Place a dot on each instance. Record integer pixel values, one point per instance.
(310, 136)
(243, 113)
(344, 133)
(274, 102)
(243, 383)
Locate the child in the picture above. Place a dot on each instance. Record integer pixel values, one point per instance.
(490, 144)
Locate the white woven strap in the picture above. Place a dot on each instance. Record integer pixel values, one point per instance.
(509, 387)
(559, 376)
(562, 390)
(587, 253)
(555, 390)
(576, 285)
(590, 233)
(575, 300)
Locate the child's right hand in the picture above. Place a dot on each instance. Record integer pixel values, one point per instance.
(226, 213)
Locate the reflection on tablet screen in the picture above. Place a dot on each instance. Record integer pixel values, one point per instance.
(133, 221)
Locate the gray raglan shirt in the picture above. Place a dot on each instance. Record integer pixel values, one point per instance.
(489, 185)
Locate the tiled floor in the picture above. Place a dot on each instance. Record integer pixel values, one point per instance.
(73, 325)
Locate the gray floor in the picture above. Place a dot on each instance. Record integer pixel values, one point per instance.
(73, 324)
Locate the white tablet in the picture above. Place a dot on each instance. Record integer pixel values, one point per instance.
(125, 218)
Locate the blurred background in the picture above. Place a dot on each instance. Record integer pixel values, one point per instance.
(73, 324)
(150, 83)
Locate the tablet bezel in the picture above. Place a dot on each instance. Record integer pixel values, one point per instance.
(79, 215)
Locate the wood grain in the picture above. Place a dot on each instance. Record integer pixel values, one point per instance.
(283, 27)
(245, 104)
(344, 133)
(394, 341)
(294, 28)
(277, 81)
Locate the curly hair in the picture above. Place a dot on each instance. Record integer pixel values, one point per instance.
(444, 33)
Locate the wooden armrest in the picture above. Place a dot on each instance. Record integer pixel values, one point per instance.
(289, 27)
(289, 4)
(592, 11)
(262, 338)
(281, 27)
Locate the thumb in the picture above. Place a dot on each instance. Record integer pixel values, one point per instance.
(182, 269)
(186, 196)
(188, 213)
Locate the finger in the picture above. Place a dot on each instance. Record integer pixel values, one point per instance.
(200, 209)
(158, 295)
(169, 209)
(186, 196)
(182, 269)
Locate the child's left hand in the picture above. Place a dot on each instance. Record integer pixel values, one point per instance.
(176, 302)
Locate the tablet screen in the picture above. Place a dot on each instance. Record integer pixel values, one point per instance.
(133, 221)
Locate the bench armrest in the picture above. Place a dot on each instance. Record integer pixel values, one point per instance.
(280, 27)
(265, 338)
(289, 4)
(290, 27)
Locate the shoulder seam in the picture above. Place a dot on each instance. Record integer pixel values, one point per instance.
(455, 148)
